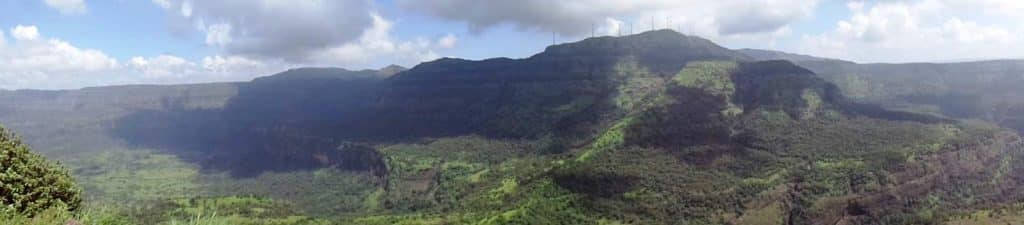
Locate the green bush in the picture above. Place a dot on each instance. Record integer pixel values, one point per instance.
(29, 184)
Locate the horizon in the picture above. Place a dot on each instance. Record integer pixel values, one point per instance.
(404, 67)
(573, 112)
(68, 44)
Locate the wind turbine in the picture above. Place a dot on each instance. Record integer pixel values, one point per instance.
(668, 22)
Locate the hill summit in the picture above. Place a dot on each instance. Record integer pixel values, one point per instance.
(663, 51)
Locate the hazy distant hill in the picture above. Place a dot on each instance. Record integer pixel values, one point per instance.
(759, 54)
(654, 128)
(305, 74)
(988, 90)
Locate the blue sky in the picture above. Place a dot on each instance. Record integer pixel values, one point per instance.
(59, 44)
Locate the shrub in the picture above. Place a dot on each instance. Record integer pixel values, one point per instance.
(29, 184)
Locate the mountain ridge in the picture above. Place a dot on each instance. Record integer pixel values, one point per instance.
(661, 51)
(655, 128)
(761, 54)
(986, 90)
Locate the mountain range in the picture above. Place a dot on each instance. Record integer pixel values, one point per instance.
(653, 128)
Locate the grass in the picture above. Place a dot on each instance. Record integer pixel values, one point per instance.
(713, 77)
(58, 216)
(609, 140)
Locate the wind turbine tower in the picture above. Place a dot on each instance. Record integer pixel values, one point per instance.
(593, 30)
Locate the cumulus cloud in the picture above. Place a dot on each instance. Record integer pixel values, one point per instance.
(748, 17)
(612, 27)
(345, 33)
(32, 60)
(170, 69)
(575, 17)
(30, 57)
(285, 29)
(160, 66)
(67, 6)
(31, 54)
(925, 30)
(448, 41)
(25, 33)
(376, 43)
(232, 64)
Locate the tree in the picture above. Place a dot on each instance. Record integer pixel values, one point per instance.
(29, 184)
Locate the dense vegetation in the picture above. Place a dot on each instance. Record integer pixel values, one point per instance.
(29, 184)
(656, 128)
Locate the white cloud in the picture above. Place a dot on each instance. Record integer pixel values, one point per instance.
(160, 66)
(30, 58)
(972, 33)
(169, 69)
(574, 17)
(33, 60)
(218, 34)
(273, 29)
(186, 9)
(1004, 8)
(67, 6)
(448, 41)
(377, 44)
(232, 64)
(923, 30)
(25, 33)
(751, 17)
(855, 5)
(612, 27)
(30, 53)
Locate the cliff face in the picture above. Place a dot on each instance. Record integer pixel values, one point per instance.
(64, 122)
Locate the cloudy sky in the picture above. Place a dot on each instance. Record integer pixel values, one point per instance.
(61, 44)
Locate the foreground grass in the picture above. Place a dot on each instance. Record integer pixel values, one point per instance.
(57, 216)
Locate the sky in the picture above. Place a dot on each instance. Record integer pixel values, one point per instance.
(68, 44)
